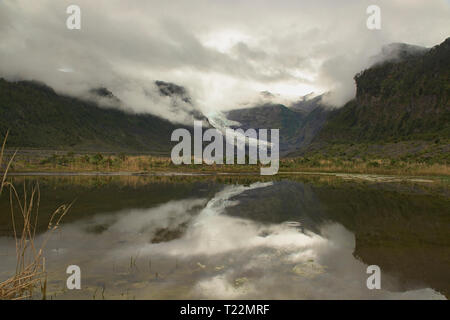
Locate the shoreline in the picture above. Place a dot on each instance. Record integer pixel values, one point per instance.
(347, 176)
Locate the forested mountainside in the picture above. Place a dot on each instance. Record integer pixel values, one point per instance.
(401, 99)
(298, 124)
(406, 100)
(37, 117)
(270, 116)
(401, 110)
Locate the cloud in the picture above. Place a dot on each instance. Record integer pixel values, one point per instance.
(223, 52)
(200, 251)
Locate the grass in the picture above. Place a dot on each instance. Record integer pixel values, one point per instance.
(366, 166)
(30, 262)
(145, 163)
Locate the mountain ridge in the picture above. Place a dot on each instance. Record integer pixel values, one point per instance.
(404, 99)
(37, 117)
(397, 100)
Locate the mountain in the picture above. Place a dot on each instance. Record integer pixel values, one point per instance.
(170, 89)
(38, 117)
(398, 52)
(307, 104)
(270, 116)
(404, 96)
(311, 126)
(181, 101)
(315, 115)
(406, 100)
(298, 123)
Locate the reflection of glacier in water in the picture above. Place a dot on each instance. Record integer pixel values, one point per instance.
(221, 200)
(255, 260)
(192, 249)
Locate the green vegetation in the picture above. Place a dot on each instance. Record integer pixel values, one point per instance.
(318, 162)
(269, 116)
(289, 121)
(399, 123)
(37, 117)
(397, 101)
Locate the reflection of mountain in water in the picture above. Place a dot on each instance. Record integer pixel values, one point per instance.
(394, 229)
(283, 201)
(405, 232)
(279, 239)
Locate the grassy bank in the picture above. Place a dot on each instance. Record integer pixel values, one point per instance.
(71, 162)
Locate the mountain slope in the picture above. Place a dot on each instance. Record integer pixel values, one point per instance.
(298, 124)
(398, 52)
(312, 125)
(397, 101)
(271, 116)
(37, 117)
(307, 105)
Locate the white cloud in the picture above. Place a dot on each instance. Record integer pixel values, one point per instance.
(223, 52)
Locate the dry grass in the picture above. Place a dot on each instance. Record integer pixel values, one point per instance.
(373, 166)
(30, 262)
(146, 163)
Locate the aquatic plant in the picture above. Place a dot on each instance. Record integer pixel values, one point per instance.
(30, 262)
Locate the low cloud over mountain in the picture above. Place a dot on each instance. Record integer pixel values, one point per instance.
(223, 52)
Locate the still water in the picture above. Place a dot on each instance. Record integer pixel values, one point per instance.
(241, 237)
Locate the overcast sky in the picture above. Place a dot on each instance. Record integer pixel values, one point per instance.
(223, 51)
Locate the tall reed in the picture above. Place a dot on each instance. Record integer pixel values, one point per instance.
(30, 263)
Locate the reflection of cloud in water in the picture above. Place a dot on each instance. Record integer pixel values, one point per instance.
(270, 260)
(169, 215)
(232, 257)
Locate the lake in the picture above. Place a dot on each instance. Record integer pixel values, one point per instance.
(241, 237)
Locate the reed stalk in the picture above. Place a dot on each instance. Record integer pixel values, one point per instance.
(30, 270)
